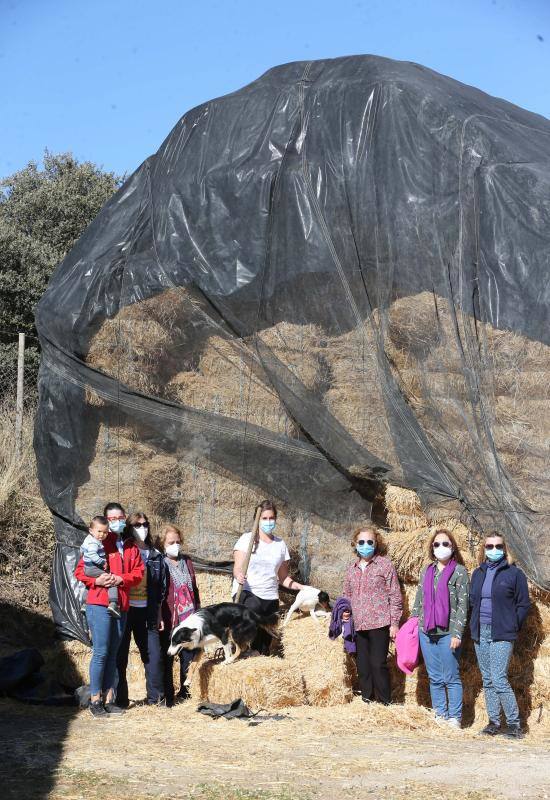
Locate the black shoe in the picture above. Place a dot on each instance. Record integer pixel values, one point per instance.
(97, 709)
(112, 708)
(114, 610)
(513, 732)
(159, 703)
(366, 700)
(492, 729)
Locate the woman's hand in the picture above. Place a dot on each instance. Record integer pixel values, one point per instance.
(393, 632)
(108, 579)
(346, 616)
(455, 642)
(240, 577)
(105, 580)
(161, 625)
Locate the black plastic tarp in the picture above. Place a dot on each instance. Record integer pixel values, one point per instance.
(367, 242)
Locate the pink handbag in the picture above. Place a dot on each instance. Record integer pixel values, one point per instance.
(407, 646)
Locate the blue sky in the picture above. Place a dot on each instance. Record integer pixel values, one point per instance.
(108, 79)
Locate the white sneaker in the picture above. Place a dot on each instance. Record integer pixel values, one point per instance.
(439, 720)
(453, 722)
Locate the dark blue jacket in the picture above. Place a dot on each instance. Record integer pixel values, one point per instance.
(510, 598)
(157, 586)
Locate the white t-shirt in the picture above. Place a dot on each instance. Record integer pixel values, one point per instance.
(261, 578)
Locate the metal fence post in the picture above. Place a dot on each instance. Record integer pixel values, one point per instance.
(19, 399)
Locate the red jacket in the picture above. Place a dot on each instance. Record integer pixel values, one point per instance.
(129, 567)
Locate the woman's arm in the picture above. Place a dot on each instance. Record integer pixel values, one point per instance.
(285, 579)
(193, 574)
(521, 596)
(417, 605)
(238, 566)
(396, 601)
(459, 616)
(132, 571)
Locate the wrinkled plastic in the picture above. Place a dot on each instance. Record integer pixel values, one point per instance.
(393, 221)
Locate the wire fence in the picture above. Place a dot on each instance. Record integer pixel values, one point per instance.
(19, 359)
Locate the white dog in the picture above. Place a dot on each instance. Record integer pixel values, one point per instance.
(307, 600)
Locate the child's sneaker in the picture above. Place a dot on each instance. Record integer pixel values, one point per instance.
(114, 610)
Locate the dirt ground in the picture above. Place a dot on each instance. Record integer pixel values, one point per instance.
(346, 752)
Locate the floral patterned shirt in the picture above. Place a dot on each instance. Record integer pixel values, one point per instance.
(374, 594)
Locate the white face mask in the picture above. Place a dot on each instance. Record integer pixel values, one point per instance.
(443, 553)
(140, 532)
(172, 550)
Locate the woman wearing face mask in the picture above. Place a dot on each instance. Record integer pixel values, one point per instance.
(268, 567)
(125, 571)
(144, 615)
(116, 517)
(372, 587)
(441, 605)
(499, 601)
(182, 598)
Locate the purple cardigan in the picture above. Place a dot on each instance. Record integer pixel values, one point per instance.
(338, 626)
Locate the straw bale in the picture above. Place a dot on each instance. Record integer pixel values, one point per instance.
(133, 348)
(402, 501)
(214, 588)
(261, 682)
(223, 384)
(326, 671)
(355, 393)
(113, 471)
(407, 549)
(404, 522)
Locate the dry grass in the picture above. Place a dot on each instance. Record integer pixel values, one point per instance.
(214, 588)
(27, 540)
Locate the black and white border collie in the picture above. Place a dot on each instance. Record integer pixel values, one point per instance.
(221, 625)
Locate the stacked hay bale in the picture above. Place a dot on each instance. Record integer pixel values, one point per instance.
(327, 673)
(261, 681)
(313, 671)
(355, 394)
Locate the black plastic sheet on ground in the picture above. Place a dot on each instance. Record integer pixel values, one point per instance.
(333, 278)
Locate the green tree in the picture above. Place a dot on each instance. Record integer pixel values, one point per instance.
(43, 211)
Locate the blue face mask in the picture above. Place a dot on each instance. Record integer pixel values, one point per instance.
(494, 554)
(117, 525)
(365, 550)
(267, 525)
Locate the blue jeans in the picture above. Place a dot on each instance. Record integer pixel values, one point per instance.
(493, 659)
(442, 665)
(106, 632)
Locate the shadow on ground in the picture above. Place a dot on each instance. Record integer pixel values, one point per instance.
(33, 729)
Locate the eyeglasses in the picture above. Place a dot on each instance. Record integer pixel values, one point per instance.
(443, 544)
(113, 518)
(494, 546)
(361, 542)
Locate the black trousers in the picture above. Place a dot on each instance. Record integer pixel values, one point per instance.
(148, 644)
(262, 642)
(185, 657)
(372, 664)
